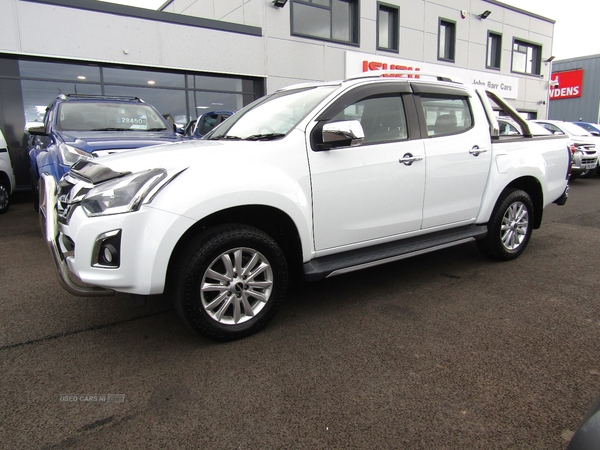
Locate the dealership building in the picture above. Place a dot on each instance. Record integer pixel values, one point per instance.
(575, 89)
(187, 57)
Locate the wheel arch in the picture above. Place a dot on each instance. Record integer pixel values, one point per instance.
(268, 219)
(5, 180)
(532, 186)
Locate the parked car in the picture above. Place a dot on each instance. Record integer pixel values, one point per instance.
(87, 126)
(7, 177)
(509, 127)
(205, 123)
(584, 149)
(309, 182)
(592, 128)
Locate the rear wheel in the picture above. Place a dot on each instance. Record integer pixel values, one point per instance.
(230, 282)
(510, 226)
(4, 198)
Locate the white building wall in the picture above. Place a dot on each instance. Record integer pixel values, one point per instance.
(54, 31)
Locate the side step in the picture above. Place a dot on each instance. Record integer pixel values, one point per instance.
(331, 265)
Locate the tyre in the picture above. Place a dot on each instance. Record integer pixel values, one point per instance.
(35, 191)
(4, 198)
(230, 282)
(510, 226)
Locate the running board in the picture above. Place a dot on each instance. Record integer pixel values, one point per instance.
(329, 266)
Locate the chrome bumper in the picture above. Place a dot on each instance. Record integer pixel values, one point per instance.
(49, 225)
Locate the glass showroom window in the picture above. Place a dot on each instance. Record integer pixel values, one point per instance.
(446, 40)
(334, 20)
(387, 27)
(526, 58)
(494, 50)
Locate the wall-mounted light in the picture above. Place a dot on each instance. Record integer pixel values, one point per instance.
(279, 3)
(550, 59)
(485, 14)
(151, 82)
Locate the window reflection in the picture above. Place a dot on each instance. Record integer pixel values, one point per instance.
(57, 71)
(142, 77)
(37, 95)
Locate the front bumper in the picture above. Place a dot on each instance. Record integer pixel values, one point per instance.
(49, 225)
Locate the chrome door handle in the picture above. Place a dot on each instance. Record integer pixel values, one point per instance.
(475, 151)
(408, 159)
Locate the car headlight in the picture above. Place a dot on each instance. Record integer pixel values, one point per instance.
(123, 194)
(70, 154)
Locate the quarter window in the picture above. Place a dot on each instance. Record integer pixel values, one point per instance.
(387, 27)
(494, 50)
(334, 20)
(526, 58)
(446, 115)
(446, 40)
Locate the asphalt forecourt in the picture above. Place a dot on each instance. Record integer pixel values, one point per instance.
(445, 350)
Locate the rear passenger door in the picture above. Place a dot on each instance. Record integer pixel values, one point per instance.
(457, 154)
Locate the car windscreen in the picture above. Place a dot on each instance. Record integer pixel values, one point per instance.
(272, 116)
(108, 116)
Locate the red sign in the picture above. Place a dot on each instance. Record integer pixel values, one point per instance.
(375, 65)
(568, 84)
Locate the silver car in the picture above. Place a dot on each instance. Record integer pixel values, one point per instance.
(585, 154)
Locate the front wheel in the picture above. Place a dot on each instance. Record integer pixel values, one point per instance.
(230, 282)
(510, 226)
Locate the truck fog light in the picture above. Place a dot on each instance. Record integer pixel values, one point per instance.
(107, 250)
(107, 253)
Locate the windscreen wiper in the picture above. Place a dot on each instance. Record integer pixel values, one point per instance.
(217, 138)
(264, 137)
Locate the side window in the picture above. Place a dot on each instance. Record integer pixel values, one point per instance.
(446, 115)
(382, 118)
(552, 128)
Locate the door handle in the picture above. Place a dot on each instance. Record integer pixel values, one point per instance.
(408, 159)
(475, 151)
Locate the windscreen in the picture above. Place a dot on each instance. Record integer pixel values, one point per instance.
(272, 116)
(109, 116)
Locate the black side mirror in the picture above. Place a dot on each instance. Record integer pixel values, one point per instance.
(37, 131)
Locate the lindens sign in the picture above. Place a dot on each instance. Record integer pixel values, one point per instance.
(356, 63)
(567, 84)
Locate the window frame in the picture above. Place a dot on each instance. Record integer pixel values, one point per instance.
(537, 65)
(393, 29)
(449, 55)
(354, 21)
(490, 49)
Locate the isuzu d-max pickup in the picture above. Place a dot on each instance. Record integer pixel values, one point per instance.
(312, 181)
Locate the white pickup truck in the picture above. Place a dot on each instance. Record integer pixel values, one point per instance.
(312, 181)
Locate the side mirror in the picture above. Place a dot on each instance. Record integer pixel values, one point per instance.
(348, 133)
(37, 131)
(595, 133)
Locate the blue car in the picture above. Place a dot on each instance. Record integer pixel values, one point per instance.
(85, 126)
(593, 128)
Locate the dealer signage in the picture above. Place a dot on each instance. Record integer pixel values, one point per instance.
(567, 84)
(356, 63)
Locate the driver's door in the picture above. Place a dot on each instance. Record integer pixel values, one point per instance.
(365, 193)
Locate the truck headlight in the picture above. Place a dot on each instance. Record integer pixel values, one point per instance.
(123, 194)
(69, 154)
